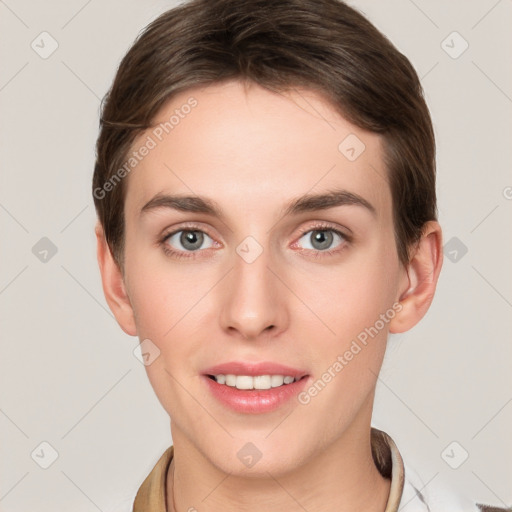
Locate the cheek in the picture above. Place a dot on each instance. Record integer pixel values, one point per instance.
(166, 304)
(355, 302)
(151, 301)
(174, 309)
(161, 294)
(351, 296)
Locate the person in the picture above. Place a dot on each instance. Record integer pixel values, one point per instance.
(265, 192)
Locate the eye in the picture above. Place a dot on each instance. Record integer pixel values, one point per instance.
(321, 239)
(189, 240)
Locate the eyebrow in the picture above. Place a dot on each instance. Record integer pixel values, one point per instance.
(305, 203)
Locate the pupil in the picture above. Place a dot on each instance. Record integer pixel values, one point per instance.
(324, 238)
(191, 237)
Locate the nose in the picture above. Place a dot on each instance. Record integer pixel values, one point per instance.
(253, 299)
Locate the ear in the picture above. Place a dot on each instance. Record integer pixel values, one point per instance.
(113, 285)
(420, 279)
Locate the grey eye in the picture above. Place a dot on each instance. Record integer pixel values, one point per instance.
(189, 240)
(321, 239)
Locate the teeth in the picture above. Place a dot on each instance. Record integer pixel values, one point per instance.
(256, 382)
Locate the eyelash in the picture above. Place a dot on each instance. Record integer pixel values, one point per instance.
(192, 254)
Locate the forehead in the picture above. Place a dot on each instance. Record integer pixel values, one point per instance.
(230, 143)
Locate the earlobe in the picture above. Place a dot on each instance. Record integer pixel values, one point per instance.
(422, 274)
(113, 285)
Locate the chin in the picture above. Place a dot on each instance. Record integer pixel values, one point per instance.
(248, 459)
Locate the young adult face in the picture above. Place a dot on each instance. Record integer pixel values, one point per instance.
(260, 283)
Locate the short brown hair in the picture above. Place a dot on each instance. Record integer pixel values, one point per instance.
(323, 45)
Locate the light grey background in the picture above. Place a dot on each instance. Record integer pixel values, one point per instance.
(68, 374)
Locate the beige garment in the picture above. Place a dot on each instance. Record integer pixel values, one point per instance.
(151, 495)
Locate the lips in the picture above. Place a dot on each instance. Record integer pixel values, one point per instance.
(254, 401)
(253, 369)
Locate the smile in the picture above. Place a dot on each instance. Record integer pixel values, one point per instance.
(248, 382)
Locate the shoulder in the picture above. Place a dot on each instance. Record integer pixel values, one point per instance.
(409, 491)
(436, 496)
(489, 508)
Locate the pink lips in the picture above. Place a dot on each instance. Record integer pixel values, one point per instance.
(263, 368)
(254, 401)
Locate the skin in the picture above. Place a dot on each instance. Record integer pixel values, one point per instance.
(253, 151)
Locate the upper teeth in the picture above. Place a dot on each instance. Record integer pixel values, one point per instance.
(256, 382)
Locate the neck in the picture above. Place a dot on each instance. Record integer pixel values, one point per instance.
(341, 477)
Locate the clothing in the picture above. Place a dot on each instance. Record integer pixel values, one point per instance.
(407, 492)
